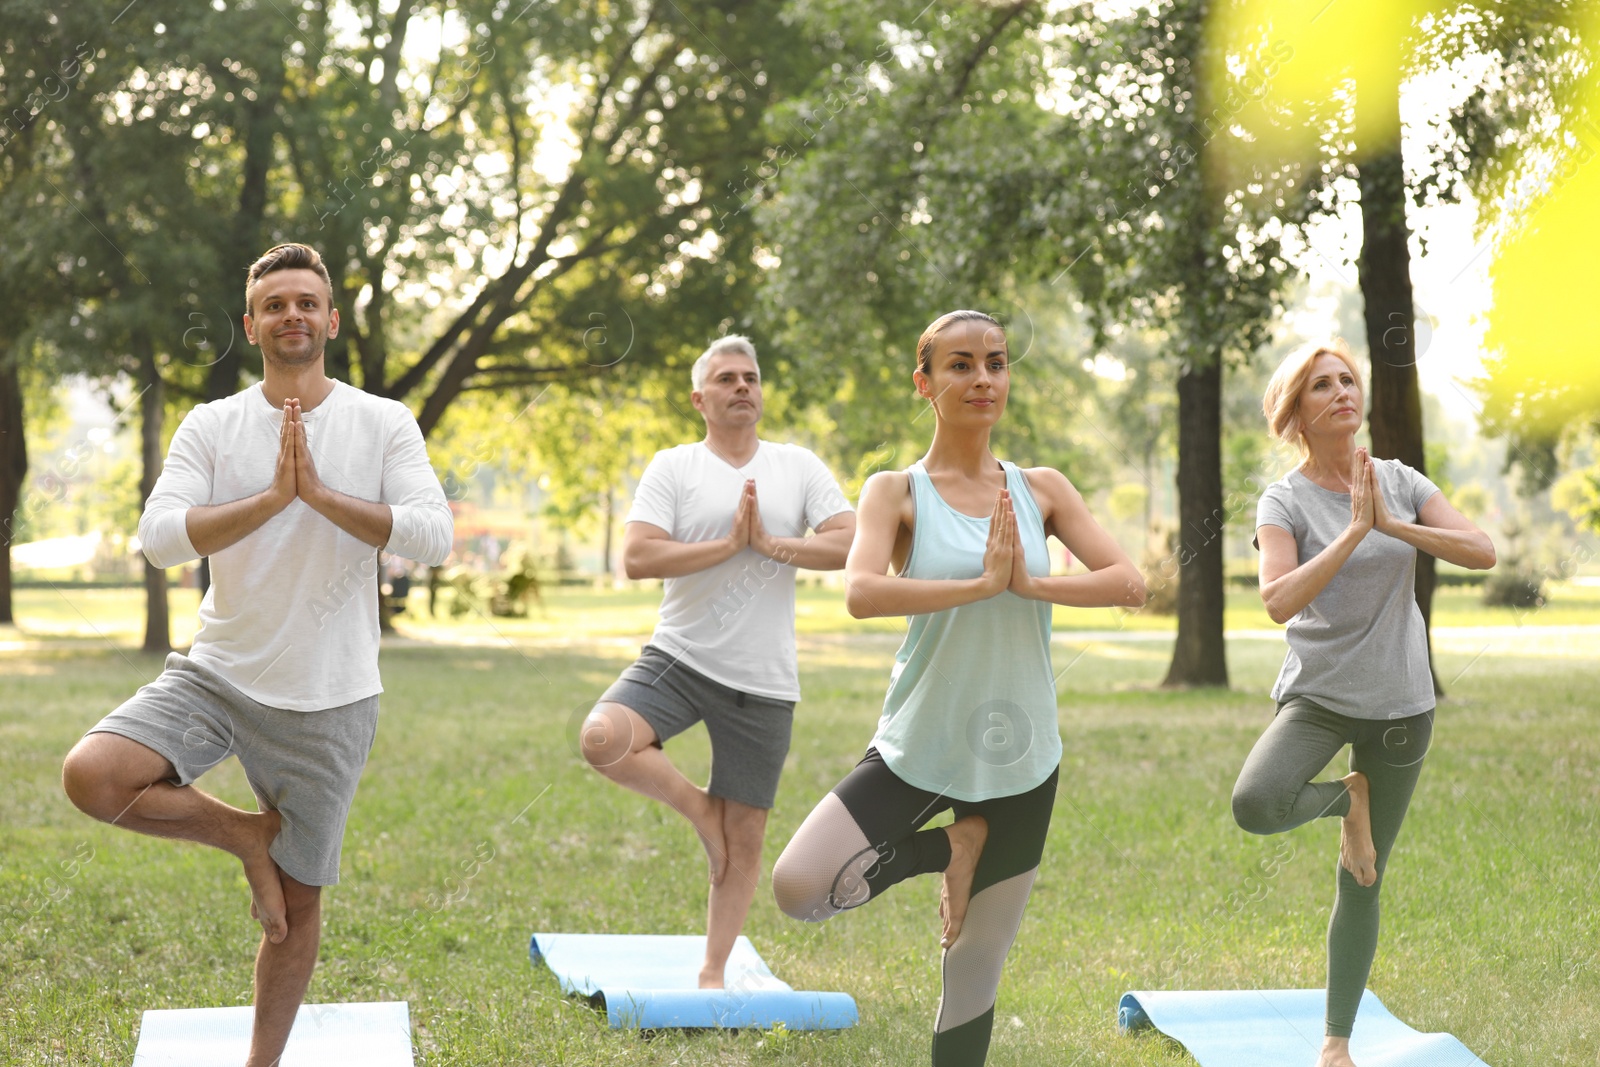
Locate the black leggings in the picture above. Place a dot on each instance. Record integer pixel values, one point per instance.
(1275, 793)
(864, 837)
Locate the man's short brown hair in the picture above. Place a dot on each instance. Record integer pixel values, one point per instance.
(284, 257)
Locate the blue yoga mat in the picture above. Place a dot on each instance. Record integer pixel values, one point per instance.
(324, 1035)
(1275, 1027)
(649, 982)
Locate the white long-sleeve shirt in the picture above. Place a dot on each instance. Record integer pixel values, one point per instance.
(291, 618)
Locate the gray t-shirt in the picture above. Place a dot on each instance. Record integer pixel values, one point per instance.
(1359, 648)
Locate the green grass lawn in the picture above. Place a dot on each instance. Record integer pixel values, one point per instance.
(1490, 918)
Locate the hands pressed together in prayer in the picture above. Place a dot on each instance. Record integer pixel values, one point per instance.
(748, 529)
(296, 473)
(1367, 508)
(1005, 564)
(295, 476)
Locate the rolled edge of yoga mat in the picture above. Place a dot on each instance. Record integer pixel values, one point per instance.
(653, 1009)
(1131, 1015)
(641, 1000)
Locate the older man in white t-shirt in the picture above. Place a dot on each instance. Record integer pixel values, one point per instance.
(290, 487)
(724, 522)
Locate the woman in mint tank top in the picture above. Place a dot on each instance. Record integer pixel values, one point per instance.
(969, 721)
(1339, 538)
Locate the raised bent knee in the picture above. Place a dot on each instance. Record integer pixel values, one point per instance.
(1257, 811)
(85, 784)
(800, 894)
(105, 773)
(603, 739)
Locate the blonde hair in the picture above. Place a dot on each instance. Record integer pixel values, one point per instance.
(1281, 403)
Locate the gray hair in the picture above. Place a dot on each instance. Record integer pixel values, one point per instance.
(734, 342)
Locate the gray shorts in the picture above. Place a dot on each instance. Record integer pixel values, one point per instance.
(749, 733)
(303, 764)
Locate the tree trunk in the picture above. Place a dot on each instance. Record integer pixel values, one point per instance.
(1395, 416)
(157, 622)
(606, 511)
(1199, 656)
(13, 469)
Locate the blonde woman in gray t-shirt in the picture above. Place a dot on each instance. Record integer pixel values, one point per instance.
(1339, 537)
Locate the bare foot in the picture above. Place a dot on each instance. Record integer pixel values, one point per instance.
(966, 845)
(710, 979)
(1336, 1053)
(1357, 854)
(707, 822)
(266, 890)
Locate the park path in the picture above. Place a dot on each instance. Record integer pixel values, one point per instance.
(1530, 639)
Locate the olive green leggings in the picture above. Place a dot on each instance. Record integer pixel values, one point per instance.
(1275, 793)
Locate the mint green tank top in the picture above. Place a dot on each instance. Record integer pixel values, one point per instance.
(971, 708)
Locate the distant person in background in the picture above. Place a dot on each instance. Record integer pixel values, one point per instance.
(290, 487)
(1339, 537)
(724, 521)
(969, 721)
(396, 584)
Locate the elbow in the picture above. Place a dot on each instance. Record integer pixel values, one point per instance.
(446, 542)
(857, 603)
(1138, 594)
(147, 542)
(1489, 557)
(439, 548)
(423, 532)
(437, 557)
(158, 547)
(1269, 601)
(633, 566)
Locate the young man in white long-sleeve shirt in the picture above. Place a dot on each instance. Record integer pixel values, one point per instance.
(290, 487)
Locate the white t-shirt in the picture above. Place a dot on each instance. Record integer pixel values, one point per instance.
(291, 618)
(734, 622)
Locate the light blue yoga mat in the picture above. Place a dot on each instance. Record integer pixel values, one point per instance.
(1279, 1027)
(649, 982)
(324, 1035)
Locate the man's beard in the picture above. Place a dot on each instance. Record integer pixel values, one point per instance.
(313, 352)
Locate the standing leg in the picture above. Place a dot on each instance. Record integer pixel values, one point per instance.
(744, 829)
(972, 964)
(283, 970)
(621, 745)
(1390, 754)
